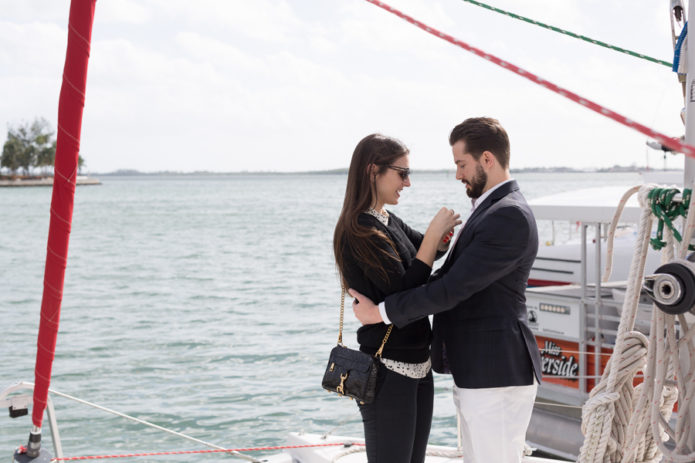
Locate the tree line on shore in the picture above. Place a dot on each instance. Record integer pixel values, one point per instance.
(30, 150)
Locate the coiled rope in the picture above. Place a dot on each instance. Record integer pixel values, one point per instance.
(629, 425)
(570, 34)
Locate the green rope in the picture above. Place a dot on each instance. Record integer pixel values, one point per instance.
(667, 211)
(571, 34)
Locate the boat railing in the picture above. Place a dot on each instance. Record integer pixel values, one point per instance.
(583, 319)
(19, 404)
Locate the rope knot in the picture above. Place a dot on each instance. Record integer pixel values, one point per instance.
(666, 210)
(599, 401)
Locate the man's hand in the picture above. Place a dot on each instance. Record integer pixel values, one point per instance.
(365, 310)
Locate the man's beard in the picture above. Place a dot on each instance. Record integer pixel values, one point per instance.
(475, 187)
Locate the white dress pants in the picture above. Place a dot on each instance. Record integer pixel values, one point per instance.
(494, 422)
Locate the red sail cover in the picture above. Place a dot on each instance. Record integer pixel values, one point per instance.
(72, 96)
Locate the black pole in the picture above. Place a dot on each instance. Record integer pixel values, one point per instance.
(33, 453)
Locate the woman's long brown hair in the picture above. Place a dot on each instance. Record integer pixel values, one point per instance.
(349, 235)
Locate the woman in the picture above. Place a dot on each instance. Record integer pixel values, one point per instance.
(378, 254)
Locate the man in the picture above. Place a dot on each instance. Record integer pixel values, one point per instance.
(480, 332)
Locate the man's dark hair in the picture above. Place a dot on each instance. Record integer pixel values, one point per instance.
(483, 134)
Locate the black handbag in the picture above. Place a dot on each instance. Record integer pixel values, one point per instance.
(350, 372)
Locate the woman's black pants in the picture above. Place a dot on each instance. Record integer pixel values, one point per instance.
(397, 424)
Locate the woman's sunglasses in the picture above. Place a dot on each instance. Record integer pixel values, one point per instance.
(404, 172)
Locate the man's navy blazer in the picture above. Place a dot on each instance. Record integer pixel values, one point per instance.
(480, 331)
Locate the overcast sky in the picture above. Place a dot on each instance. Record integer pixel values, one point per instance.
(293, 85)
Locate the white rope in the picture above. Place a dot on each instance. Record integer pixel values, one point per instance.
(611, 231)
(630, 425)
(350, 451)
(605, 416)
(643, 437)
(151, 425)
(444, 453)
(668, 363)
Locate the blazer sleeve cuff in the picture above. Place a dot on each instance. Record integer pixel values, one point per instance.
(382, 311)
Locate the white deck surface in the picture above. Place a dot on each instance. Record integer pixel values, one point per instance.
(328, 454)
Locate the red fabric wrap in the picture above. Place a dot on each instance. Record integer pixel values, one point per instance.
(67, 152)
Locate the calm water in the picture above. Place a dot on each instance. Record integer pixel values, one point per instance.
(207, 305)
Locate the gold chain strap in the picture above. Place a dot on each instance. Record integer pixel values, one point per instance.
(340, 331)
(342, 311)
(386, 338)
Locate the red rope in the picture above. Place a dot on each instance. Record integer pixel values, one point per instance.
(672, 143)
(189, 452)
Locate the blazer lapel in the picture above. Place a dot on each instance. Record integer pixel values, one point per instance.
(477, 213)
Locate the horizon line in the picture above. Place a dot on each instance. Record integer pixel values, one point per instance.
(344, 170)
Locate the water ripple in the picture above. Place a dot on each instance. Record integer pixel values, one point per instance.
(207, 305)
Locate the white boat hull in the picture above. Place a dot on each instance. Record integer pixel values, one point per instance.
(356, 454)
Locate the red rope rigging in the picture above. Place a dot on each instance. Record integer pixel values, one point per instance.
(665, 140)
(190, 452)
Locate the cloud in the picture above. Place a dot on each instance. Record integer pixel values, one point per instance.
(30, 71)
(264, 20)
(224, 55)
(278, 85)
(123, 11)
(30, 10)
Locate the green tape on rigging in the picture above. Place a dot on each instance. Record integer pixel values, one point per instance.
(571, 34)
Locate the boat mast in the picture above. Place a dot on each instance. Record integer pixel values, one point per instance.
(689, 171)
(689, 176)
(70, 108)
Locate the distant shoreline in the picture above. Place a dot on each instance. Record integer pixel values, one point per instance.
(614, 169)
(43, 181)
(7, 181)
